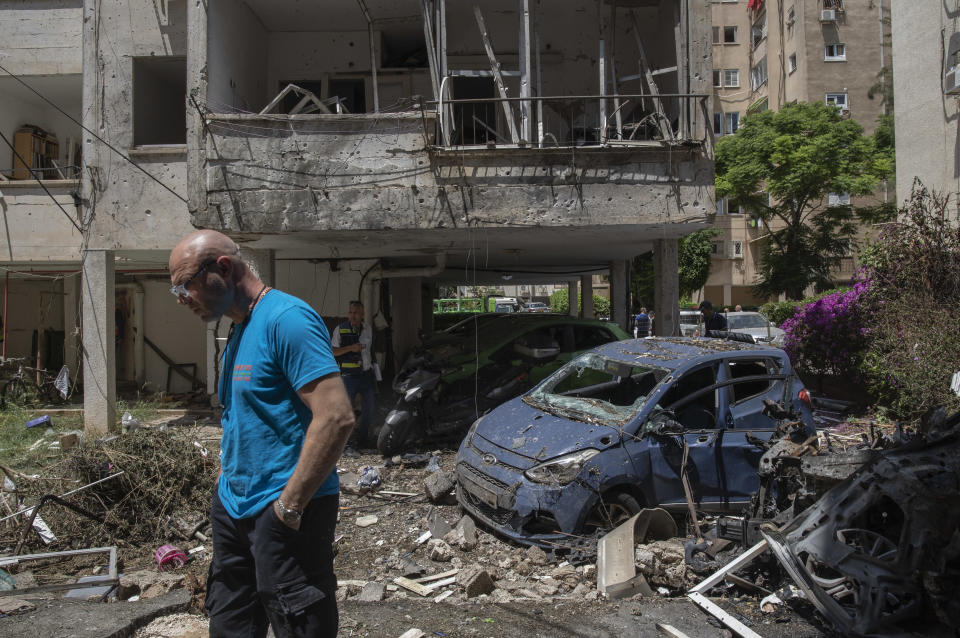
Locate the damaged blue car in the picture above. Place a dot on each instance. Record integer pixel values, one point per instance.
(606, 435)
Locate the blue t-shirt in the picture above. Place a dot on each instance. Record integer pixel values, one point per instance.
(282, 346)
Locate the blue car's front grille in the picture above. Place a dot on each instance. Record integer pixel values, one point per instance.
(480, 477)
(497, 515)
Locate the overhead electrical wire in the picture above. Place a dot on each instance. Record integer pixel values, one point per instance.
(105, 142)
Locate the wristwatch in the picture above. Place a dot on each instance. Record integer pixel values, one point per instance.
(288, 516)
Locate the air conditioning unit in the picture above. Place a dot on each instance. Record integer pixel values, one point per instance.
(951, 81)
(828, 15)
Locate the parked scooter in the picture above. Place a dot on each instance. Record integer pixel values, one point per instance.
(430, 407)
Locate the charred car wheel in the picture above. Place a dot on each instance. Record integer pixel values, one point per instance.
(612, 510)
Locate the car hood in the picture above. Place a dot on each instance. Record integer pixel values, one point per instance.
(538, 436)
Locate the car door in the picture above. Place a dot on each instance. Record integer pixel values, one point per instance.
(693, 396)
(751, 381)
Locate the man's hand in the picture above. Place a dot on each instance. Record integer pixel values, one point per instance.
(357, 347)
(291, 522)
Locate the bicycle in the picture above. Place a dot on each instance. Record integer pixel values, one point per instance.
(36, 385)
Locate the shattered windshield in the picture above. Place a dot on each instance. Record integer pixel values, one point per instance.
(741, 322)
(596, 389)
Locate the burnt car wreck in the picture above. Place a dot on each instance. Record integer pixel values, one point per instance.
(875, 540)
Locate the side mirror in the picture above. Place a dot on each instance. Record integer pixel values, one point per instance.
(663, 423)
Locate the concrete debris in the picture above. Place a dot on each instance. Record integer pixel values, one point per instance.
(662, 562)
(15, 605)
(536, 556)
(439, 486)
(464, 536)
(412, 633)
(475, 581)
(439, 550)
(436, 524)
(148, 583)
(367, 521)
(372, 593)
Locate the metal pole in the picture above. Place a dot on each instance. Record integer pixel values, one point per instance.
(373, 54)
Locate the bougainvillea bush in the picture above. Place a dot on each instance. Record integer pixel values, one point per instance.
(896, 331)
(828, 336)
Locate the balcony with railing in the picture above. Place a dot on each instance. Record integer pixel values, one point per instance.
(381, 118)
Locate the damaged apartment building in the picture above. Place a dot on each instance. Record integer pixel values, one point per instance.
(355, 149)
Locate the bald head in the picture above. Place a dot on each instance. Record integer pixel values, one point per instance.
(220, 282)
(200, 246)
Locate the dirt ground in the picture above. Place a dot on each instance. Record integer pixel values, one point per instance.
(533, 594)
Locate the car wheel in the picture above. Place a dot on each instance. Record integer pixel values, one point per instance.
(612, 510)
(393, 436)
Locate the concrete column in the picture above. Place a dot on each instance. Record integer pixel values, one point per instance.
(405, 311)
(71, 325)
(586, 296)
(619, 293)
(99, 345)
(262, 263)
(727, 294)
(666, 288)
(572, 291)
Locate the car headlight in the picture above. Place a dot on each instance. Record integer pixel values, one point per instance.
(560, 470)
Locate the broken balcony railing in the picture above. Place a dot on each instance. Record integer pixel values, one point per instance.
(576, 120)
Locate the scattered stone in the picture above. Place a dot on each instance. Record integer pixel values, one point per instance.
(662, 562)
(464, 536)
(9, 605)
(348, 483)
(524, 567)
(440, 551)
(148, 583)
(475, 581)
(437, 525)
(410, 568)
(367, 521)
(372, 593)
(548, 587)
(439, 485)
(539, 557)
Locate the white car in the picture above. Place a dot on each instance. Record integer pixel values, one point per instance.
(755, 325)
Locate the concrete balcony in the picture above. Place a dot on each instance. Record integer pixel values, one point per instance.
(35, 229)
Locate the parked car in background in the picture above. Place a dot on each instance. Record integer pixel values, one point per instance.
(536, 306)
(444, 387)
(755, 325)
(604, 436)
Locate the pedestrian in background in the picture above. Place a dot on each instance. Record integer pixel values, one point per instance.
(711, 320)
(286, 419)
(353, 346)
(641, 324)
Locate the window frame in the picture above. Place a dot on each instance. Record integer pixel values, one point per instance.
(755, 83)
(736, 33)
(718, 78)
(736, 75)
(844, 107)
(839, 52)
(791, 64)
(731, 122)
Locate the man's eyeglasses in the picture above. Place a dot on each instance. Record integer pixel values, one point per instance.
(180, 290)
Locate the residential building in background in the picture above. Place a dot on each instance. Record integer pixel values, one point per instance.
(926, 77)
(770, 53)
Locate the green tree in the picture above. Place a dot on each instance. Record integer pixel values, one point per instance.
(693, 261)
(560, 302)
(782, 166)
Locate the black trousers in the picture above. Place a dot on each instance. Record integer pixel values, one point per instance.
(263, 573)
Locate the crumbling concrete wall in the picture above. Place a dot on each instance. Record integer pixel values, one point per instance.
(41, 37)
(34, 228)
(376, 173)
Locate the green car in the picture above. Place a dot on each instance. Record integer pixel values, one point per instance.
(444, 387)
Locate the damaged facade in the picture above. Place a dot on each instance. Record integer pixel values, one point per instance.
(425, 142)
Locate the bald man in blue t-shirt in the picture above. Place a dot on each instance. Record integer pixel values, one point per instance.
(286, 419)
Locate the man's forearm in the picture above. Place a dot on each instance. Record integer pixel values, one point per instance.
(322, 447)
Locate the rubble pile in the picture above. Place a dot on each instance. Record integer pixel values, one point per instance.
(141, 489)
